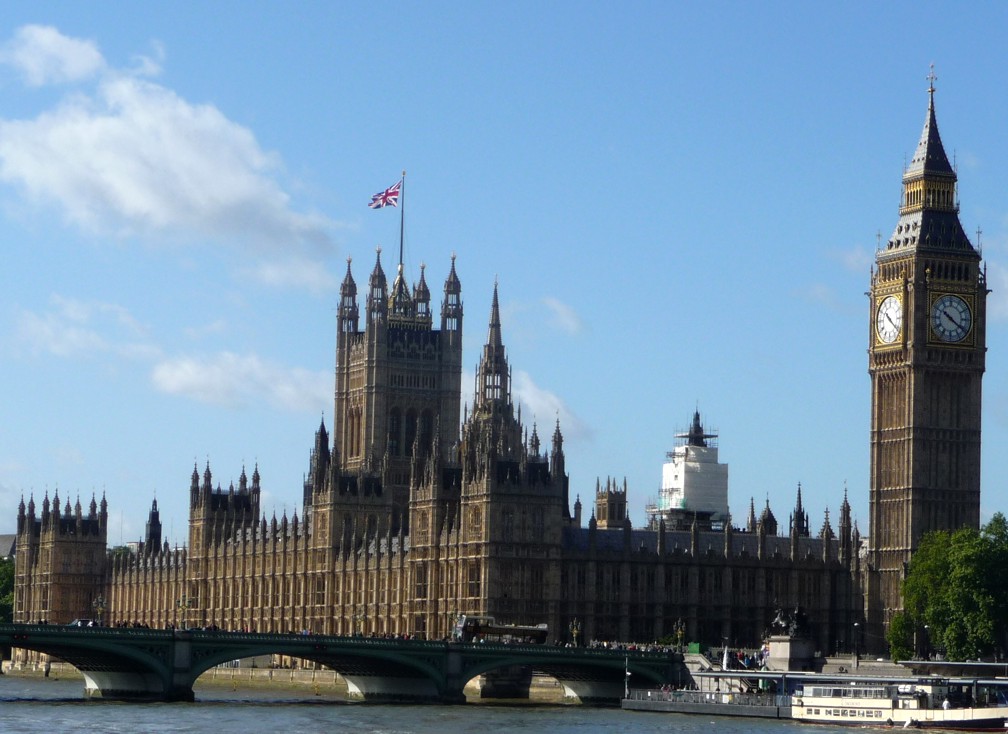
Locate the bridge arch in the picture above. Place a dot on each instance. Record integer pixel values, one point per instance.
(164, 664)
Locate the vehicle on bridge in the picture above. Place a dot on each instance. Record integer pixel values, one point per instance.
(470, 628)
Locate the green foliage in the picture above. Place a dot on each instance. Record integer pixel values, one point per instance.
(900, 637)
(957, 586)
(120, 551)
(6, 590)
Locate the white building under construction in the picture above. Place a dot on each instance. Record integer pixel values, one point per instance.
(694, 485)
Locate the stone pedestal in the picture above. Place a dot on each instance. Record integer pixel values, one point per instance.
(790, 653)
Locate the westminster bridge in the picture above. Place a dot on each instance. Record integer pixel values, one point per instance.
(146, 664)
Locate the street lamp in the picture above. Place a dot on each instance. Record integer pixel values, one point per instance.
(927, 642)
(857, 630)
(575, 630)
(99, 607)
(183, 604)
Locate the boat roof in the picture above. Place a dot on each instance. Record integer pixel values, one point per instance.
(848, 679)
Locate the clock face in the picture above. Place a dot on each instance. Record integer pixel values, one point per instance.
(951, 318)
(889, 319)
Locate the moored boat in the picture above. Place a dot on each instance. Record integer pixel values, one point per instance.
(939, 703)
(956, 704)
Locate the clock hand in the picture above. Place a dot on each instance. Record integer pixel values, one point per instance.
(951, 318)
(889, 319)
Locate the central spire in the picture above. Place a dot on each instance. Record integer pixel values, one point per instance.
(494, 337)
(929, 210)
(493, 380)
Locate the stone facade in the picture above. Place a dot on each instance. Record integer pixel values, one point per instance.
(926, 358)
(408, 522)
(413, 514)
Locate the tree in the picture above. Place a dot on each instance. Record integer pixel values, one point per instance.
(900, 637)
(957, 586)
(6, 590)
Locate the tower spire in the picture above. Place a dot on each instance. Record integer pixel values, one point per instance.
(493, 381)
(929, 208)
(494, 337)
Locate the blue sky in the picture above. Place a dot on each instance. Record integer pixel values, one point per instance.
(680, 204)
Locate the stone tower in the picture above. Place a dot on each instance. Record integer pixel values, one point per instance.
(397, 379)
(61, 561)
(487, 519)
(926, 353)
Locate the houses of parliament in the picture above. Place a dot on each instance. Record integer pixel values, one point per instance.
(415, 511)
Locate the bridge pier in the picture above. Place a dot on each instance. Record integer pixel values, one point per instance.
(132, 686)
(593, 692)
(384, 688)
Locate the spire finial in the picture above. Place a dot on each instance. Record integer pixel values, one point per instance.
(932, 78)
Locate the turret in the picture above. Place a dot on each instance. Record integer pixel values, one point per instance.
(152, 538)
(400, 302)
(421, 298)
(493, 378)
(751, 522)
(799, 522)
(319, 467)
(558, 467)
(194, 488)
(451, 307)
(377, 300)
(348, 314)
(767, 520)
(826, 535)
(845, 530)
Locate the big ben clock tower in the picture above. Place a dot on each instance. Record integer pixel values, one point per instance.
(926, 352)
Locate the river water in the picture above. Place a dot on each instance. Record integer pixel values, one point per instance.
(40, 706)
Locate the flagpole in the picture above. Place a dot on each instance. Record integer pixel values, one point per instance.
(402, 213)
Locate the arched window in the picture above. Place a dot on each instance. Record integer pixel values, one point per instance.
(475, 523)
(426, 432)
(394, 431)
(411, 432)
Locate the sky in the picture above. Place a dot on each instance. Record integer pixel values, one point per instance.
(680, 204)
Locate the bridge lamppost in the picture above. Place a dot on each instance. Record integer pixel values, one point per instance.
(575, 630)
(857, 630)
(99, 607)
(183, 604)
(680, 632)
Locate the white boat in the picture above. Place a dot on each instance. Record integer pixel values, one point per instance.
(957, 704)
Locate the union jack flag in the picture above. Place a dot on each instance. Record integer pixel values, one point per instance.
(388, 197)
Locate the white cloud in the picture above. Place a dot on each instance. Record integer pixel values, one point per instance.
(132, 157)
(43, 55)
(563, 316)
(236, 381)
(818, 293)
(537, 404)
(83, 328)
(855, 259)
(217, 326)
(311, 275)
(545, 406)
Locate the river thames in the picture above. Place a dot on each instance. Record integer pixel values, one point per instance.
(34, 705)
